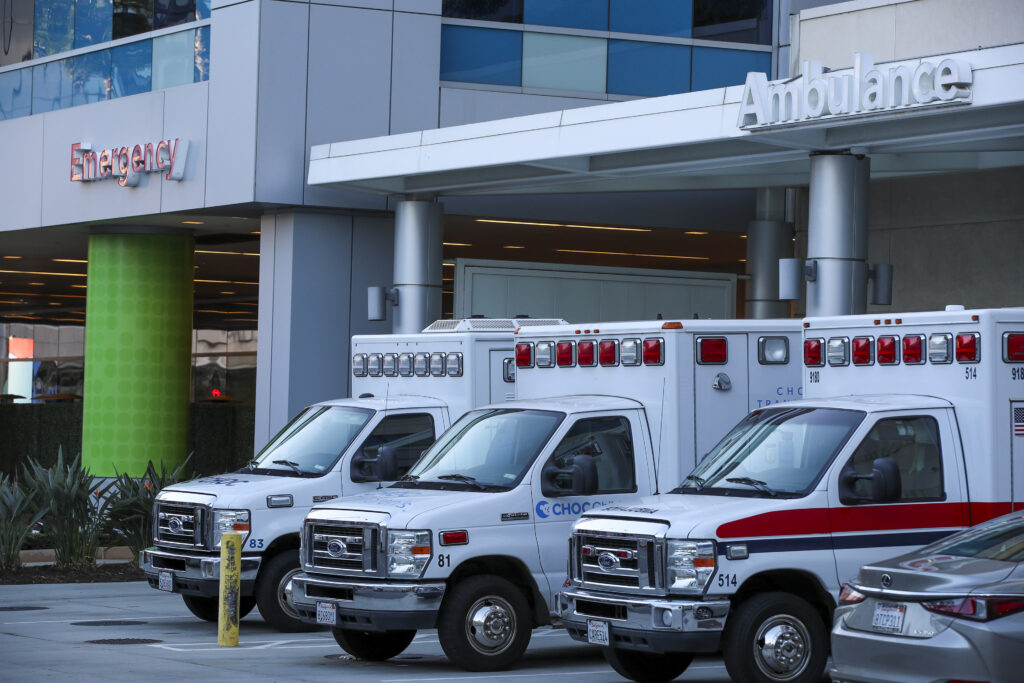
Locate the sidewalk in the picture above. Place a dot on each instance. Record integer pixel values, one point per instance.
(43, 556)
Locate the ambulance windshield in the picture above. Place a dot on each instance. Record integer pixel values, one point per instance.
(773, 452)
(311, 443)
(486, 450)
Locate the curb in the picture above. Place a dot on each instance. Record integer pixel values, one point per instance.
(118, 553)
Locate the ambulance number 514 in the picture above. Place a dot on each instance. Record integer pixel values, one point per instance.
(970, 372)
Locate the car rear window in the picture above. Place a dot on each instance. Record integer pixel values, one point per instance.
(997, 540)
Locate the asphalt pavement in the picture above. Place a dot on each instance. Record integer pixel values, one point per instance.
(45, 634)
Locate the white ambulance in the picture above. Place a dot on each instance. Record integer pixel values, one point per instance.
(408, 389)
(747, 554)
(472, 540)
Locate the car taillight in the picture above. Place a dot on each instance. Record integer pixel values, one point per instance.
(849, 595)
(968, 347)
(913, 349)
(585, 353)
(524, 355)
(653, 352)
(1013, 347)
(565, 354)
(977, 609)
(608, 352)
(861, 351)
(885, 350)
(712, 350)
(812, 353)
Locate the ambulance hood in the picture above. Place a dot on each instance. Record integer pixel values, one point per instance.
(409, 508)
(718, 517)
(248, 491)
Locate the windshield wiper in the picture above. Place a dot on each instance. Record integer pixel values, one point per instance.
(464, 478)
(289, 463)
(698, 482)
(756, 483)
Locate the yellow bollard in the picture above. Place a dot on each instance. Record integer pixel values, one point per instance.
(230, 588)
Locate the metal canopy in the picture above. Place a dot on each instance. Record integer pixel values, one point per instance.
(685, 142)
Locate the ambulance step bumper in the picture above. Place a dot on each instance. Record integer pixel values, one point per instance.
(648, 624)
(193, 574)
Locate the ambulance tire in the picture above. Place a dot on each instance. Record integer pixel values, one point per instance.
(270, 597)
(646, 667)
(776, 638)
(208, 609)
(485, 623)
(373, 646)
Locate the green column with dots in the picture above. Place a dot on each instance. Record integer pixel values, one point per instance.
(138, 344)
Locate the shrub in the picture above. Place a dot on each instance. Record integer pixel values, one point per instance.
(76, 502)
(130, 505)
(16, 521)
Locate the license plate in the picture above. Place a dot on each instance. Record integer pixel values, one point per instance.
(326, 613)
(597, 632)
(165, 581)
(889, 617)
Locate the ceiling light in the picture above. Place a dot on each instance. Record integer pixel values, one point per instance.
(447, 279)
(227, 292)
(456, 244)
(513, 246)
(38, 272)
(55, 303)
(241, 218)
(70, 260)
(37, 284)
(227, 253)
(561, 225)
(192, 222)
(695, 232)
(17, 303)
(255, 232)
(446, 263)
(79, 286)
(626, 253)
(743, 260)
(59, 296)
(226, 282)
(242, 320)
(743, 237)
(12, 257)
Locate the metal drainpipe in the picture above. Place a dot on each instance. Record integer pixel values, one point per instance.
(769, 238)
(417, 272)
(837, 234)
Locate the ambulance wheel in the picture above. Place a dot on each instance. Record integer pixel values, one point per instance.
(647, 667)
(274, 577)
(484, 624)
(775, 638)
(373, 646)
(208, 609)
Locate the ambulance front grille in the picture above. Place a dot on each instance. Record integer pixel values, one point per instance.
(179, 525)
(341, 547)
(615, 561)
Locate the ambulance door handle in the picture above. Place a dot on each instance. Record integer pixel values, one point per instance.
(721, 382)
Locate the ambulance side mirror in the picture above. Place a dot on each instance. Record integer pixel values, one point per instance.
(582, 475)
(884, 481)
(382, 467)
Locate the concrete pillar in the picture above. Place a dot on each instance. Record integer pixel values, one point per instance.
(837, 239)
(769, 238)
(138, 344)
(314, 271)
(417, 272)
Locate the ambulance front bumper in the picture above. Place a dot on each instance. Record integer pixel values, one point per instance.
(365, 605)
(192, 573)
(649, 624)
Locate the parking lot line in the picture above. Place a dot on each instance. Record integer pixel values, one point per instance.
(476, 676)
(84, 618)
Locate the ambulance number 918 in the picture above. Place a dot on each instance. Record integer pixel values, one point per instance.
(1017, 373)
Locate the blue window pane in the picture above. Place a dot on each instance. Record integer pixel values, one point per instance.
(15, 94)
(715, 67)
(16, 31)
(54, 29)
(51, 86)
(131, 68)
(589, 14)
(484, 10)
(132, 17)
(746, 21)
(647, 69)
(94, 22)
(202, 9)
(481, 55)
(92, 78)
(202, 70)
(654, 17)
(173, 12)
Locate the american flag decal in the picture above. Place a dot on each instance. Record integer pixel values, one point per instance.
(1018, 421)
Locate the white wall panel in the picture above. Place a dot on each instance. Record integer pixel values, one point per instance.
(185, 117)
(21, 186)
(415, 67)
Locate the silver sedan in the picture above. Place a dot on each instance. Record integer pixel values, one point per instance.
(953, 610)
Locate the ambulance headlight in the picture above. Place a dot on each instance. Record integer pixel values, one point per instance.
(689, 566)
(228, 520)
(408, 553)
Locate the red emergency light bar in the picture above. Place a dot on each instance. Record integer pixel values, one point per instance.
(524, 355)
(586, 353)
(712, 350)
(653, 352)
(565, 354)
(1013, 347)
(861, 352)
(885, 349)
(968, 347)
(608, 352)
(813, 356)
(913, 349)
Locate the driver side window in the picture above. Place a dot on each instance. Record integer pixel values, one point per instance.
(409, 435)
(913, 444)
(609, 442)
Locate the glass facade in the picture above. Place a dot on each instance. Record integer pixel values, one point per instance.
(664, 52)
(45, 28)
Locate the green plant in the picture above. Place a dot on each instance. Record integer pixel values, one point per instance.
(130, 503)
(16, 521)
(77, 508)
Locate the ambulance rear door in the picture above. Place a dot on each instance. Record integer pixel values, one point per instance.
(721, 386)
(1017, 453)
